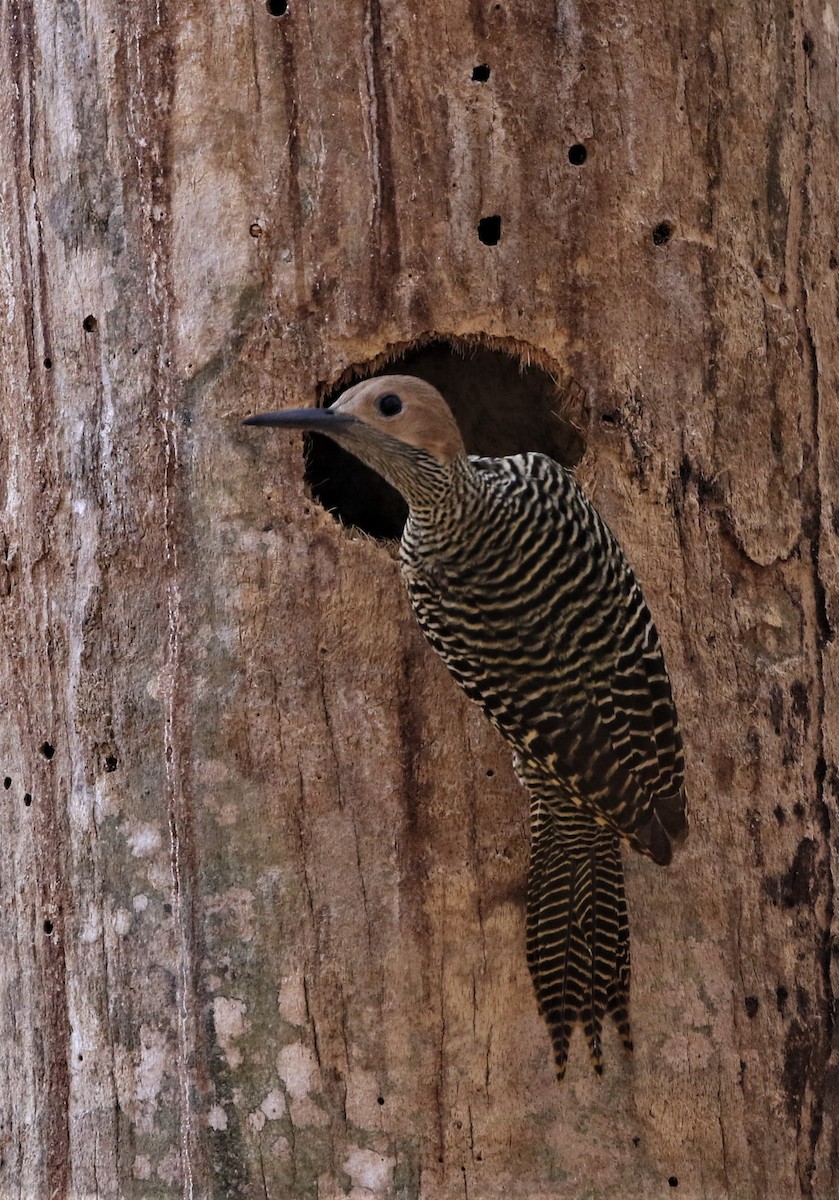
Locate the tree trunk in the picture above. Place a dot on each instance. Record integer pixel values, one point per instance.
(262, 865)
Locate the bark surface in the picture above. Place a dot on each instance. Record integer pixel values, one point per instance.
(261, 866)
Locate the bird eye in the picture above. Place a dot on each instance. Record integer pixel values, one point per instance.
(389, 405)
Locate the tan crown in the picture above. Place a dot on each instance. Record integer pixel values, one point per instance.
(425, 420)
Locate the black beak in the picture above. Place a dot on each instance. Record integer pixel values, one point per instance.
(320, 420)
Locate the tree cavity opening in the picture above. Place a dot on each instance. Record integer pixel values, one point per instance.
(503, 401)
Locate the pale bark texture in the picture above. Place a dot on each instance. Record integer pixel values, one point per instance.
(261, 865)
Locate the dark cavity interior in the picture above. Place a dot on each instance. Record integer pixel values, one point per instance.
(501, 406)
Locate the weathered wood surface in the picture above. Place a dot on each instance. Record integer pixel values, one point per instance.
(261, 910)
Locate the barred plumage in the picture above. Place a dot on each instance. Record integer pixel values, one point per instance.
(523, 591)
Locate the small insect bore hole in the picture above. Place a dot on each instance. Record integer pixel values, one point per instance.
(47, 750)
(48, 926)
(662, 233)
(489, 230)
(276, 8)
(577, 155)
(480, 73)
(7, 783)
(89, 323)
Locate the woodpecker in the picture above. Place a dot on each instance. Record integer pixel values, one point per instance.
(525, 594)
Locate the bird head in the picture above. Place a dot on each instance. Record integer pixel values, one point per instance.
(397, 424)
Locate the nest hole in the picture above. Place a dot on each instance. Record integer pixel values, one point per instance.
(502, 404)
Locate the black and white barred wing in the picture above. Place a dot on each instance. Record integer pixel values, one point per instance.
(600, 710)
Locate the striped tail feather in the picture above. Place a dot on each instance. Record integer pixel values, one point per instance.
(577, 928)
